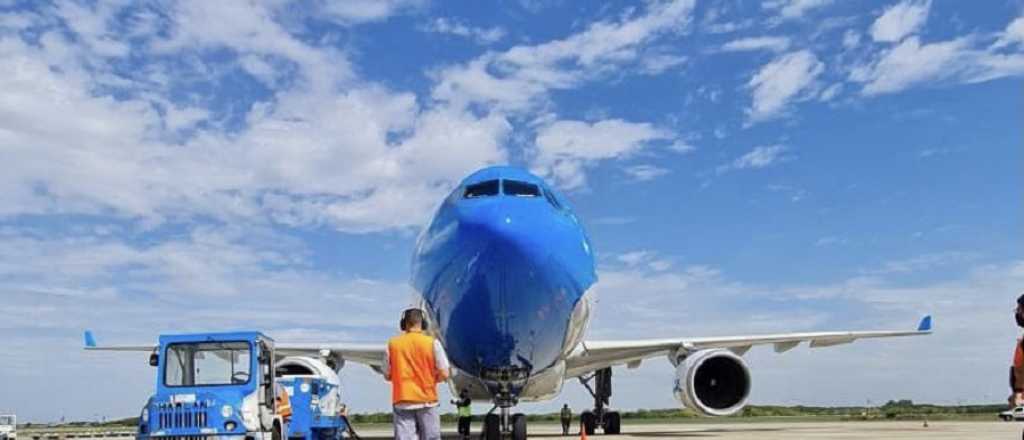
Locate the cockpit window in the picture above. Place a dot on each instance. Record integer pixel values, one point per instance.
(521, 189)
(482, 189)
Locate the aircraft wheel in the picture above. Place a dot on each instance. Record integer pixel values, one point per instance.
(518, 427)
(612, 423)
(589, 422)
(492, 427)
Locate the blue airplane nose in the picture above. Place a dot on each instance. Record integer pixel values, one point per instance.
(502, 277)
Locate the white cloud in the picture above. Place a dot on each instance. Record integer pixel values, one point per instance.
(130, 292)
(781, 81)
(91, 26)
(911, 62)
(565, 148)
(774, 44)
(925, 262)
(966, 59)
(363, 11)
(482, 36)
(851, 39)
(646, 259)
(793, 9)
(682, 147)
(1014, 34)
(900, 20)
(519, 79)
(831, 92)
(657, 63)
(830, 241)
(328, 150)
(760, 157)
(250, 29)
(645, 172)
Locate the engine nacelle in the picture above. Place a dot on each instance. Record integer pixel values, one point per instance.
(713, 382)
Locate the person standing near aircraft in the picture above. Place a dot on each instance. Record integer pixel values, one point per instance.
(465, 412)
(1017, 370)
(415, 363)
(566, 418)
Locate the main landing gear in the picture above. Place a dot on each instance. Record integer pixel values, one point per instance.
(609, 421)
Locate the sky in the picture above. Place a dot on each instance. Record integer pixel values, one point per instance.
(741, 167)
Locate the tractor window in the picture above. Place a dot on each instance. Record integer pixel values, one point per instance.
(521, 189)
(482, 189)
(207, 363)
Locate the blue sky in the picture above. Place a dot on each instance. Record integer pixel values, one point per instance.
(741, 167)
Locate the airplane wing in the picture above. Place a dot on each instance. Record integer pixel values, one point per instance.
(371, 355)
(90, 345)
(591, 356)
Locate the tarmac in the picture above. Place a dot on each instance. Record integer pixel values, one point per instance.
(775, 430)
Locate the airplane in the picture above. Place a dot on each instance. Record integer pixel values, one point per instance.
(503, 272)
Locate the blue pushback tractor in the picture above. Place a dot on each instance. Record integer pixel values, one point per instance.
(219, 386)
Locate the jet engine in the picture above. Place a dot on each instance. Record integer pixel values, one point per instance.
(713, 382)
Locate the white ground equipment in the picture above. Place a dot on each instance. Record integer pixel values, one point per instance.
(1016, 414)
(8, 427)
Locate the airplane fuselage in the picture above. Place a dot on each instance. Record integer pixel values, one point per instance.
(503, 270)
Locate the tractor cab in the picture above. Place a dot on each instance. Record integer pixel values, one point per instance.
(214, 384)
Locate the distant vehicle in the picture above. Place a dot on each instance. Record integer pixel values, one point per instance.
(1013, 414)
(8, 427)
(504, 272)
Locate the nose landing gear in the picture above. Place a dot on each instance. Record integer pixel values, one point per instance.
(504, 424)
(497, 427)
(609, 421)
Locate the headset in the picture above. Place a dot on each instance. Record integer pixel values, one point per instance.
(403, 324)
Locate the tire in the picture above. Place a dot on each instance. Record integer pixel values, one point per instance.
(518, 427)
(589, 422)
(492, 427)
(612, 423)
(275, 433)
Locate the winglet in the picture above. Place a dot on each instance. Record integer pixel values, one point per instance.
(90, 340)
(926, 324)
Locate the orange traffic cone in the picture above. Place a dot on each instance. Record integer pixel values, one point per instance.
(583, 431)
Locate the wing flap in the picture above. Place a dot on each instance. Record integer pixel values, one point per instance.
(782, 347)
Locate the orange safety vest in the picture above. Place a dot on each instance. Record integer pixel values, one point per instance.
(413, 368)
(283, 403)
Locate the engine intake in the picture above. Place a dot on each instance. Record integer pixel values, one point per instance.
(713, 382)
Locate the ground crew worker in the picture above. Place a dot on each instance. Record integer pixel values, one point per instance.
(465, 412)
(282, 402)
(1017, 370)
(566, 418)
(415, 363)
